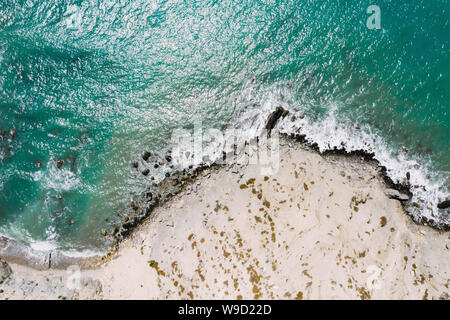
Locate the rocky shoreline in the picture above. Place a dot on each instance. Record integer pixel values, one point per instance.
(271, 237)
(37, 275)
(174, 183)
(177, 181)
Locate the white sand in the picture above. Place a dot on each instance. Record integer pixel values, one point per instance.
(322, 228)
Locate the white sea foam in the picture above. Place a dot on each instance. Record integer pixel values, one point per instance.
(59, 179)
(43, 246)
(41, 254)
(87, 253)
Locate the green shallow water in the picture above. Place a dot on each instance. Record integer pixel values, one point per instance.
(96, 83)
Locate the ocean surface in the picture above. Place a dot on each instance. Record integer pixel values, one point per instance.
(96, 83)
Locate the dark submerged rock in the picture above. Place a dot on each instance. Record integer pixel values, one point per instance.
(146, 155)
(59, 163)
(145, 172)
(444, 204)
(134, 164)
(72, 161)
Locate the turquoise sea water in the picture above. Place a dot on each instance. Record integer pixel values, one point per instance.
(95, 83)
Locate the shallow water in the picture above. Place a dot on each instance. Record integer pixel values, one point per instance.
(95, 83)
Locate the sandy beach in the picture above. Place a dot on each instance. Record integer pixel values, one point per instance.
(323, 227)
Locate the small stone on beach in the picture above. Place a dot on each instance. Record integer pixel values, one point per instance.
(146, 155)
